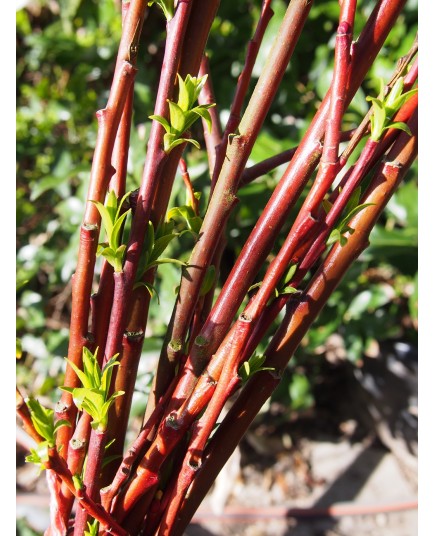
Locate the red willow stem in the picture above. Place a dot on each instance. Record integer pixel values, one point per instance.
(58, 517)
(189, 186)
(24, 413)
(203, 428)
(198, 27)
(223, 199)
(206, 96)
(329, 164)
(205, 303)
(187, 298)
(102, 301)
(126, 375)
(91, 476)
(262, 168)
(172, 429)
(57, 464)
(77, 450)
(297, 321)
(136, 449)
(154, 164)
(242, 88)
(159, 170)
(409, 80)
(289, 188)
(108, 122)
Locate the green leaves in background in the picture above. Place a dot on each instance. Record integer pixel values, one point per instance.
(300, 392)
(186, 214)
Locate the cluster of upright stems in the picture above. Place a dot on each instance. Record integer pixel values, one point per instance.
(155, 485)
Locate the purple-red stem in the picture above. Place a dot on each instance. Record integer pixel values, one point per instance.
(224, 197)
(242, 88)
(290, 186)
(57, 464)
(108, 122)
(95, 456)
(298, 319)
(206, 96)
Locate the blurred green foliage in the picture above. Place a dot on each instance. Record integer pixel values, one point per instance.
(66, 51)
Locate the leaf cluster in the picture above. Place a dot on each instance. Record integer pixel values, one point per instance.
(352, 208)
(183, 114)
(252, 366)
(168, 7)
(113, 219)
(385, 107)
(156, 242)
(283, 286)
(43, 421)
(94, 397)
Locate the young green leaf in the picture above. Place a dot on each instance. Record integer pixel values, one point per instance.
(113, 222)
(252, 366)
(93, 528)
(160, 119)
(43, 421)
(150, 288)
(385, 107)
(183, 114)
(168, 7)
(93, 397)
(39, 455)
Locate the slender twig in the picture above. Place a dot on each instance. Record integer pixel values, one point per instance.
(205, 425)
(213, 138)
(242, 88)
(362, 129)
(24, 414)
(134, 451)
(154, 165)
(262, 168)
